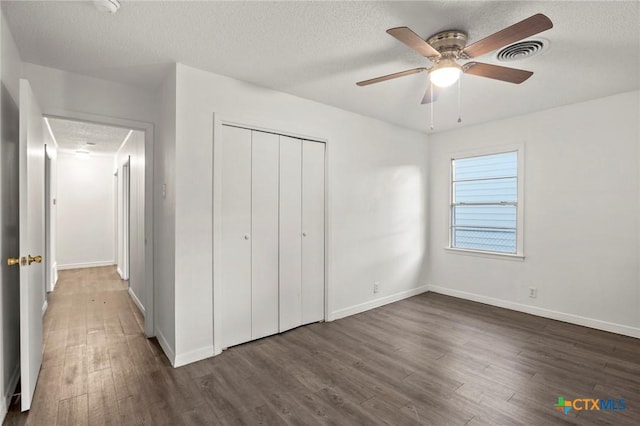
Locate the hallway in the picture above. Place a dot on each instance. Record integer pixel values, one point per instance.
(97, 364)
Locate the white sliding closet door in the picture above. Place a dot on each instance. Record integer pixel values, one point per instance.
(264, 234)
(236, 236)
(312, 232)
(290, 233)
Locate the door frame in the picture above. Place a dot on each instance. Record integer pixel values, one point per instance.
(116, 219)
(261, 126)
(148, 129)
(48, 241)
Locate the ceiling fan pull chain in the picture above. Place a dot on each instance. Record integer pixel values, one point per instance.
(459, 100)
(431, 94)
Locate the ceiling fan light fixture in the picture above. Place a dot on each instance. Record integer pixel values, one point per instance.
(445, 72)
(82, 154)
(107, 6)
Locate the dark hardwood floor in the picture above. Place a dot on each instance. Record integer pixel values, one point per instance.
(428, 360)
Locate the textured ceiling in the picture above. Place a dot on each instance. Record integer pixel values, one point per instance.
(77, 135)
(318, 50)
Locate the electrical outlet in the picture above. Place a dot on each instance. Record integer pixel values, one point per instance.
(376, 286)
(533, 292)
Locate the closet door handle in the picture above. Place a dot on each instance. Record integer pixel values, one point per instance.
(246, 237)
(304, 234)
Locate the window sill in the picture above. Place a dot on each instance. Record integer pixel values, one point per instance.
(487, 254)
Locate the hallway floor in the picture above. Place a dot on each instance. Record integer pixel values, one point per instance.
(427, 360)
(93, 350)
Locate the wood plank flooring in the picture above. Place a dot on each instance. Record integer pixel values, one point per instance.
(427, 360)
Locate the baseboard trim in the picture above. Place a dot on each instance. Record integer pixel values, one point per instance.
(166, 347)
(193, 356)
(45, 305)
(541, 312)
(85, 265)
(362, 307)
(119, 271)
(8, 392)
(136, 300)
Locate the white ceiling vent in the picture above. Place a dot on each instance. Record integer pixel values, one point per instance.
(522, 50)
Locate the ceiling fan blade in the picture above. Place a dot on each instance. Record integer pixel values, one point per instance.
(414, 41)
(526, 28)
(431, 94)
(390, 76)
(511, 75)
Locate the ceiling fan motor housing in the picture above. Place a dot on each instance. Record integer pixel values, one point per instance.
(449, 43)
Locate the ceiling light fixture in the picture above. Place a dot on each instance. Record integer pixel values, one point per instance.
(83, 155)
(445, 72)
(107, 6)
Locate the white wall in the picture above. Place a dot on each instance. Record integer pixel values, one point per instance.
(133, 150)
(10, 70)
(85, 211)
(60, 91)
(377, 188)
(164, 206)
(581, 218)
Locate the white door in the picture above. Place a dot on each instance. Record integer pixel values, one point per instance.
(290, 233)
(312, 232)
(31, 189)
(235, 244)
(264, 234)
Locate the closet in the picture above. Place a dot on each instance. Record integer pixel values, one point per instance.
(272, 234)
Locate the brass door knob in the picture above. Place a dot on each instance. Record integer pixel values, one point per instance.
(13, 261)
(37, 259)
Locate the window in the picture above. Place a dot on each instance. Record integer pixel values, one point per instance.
(484, 203)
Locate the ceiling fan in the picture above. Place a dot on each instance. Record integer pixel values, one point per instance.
(446, 48)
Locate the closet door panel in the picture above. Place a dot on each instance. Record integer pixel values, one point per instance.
(312, 231)
(264, 224)
(235, 246)
(290, 233)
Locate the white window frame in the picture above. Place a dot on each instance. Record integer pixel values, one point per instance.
(519, 149)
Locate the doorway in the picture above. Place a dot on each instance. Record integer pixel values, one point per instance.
(90, 152)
